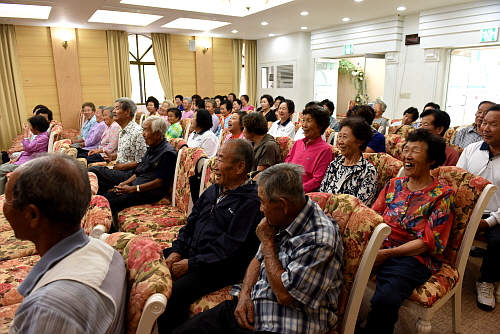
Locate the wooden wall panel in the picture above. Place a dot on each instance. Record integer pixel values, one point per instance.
(37, 69)
(223, 66)
(92, 43)
(204, 67)
(183, 66)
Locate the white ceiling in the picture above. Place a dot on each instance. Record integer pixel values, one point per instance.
(282, 19)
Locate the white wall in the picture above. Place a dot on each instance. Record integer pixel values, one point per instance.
(292, 48)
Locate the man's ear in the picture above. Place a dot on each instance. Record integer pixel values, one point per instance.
(33, 215)
(440, 130)
(241, 167)
(285, 205)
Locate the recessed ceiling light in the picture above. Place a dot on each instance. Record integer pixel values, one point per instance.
(304, 13)
(345, 19)
(358, 0)
(24, 11)
(303, 28)
(401, 8)
(238, 8)
(234, 31)
(194, 24)
(264, 23)
(271, 35)
(114, 17)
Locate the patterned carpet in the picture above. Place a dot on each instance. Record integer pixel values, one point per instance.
(474, 320)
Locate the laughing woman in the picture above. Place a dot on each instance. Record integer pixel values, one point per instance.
(350, 173)
(419, 211)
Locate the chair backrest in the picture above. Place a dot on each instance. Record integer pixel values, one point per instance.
(404, 130)
(376, 126)
(62, 145)
(394, 145)
(335, 152)
(222, 136)
(328, 133)
(186, 125)
(357, 224)
(387, 167)
(208, 175)
(149, 284)
(285, 145)
(449, 135)
(472, 195)
(98, 214)
(187, 158)
(177, 143)
(50, 148)
(332, 138)
(298, 125)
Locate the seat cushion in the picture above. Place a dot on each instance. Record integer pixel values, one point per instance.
(164, 237)
(139, 219)
(6, 316)
(210, 301)
(12, 273)
(13, 248)
(436, 287)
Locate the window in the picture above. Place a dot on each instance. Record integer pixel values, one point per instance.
(143, 72)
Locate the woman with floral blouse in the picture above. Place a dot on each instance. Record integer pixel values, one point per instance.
(350, 173)
(419, 211)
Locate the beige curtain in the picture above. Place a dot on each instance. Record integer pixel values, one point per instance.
(12, 106)
(237, 54)
(119, 64)
(161, 52)
(251, 71)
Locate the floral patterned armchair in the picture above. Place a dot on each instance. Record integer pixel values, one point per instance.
(149, 283)
(285, 145)
(449, 135)
(472, 194)
(208, 177)
(394, 145)
(145, 218)
(186, 125)
(404, 130)
(387, 167)
(177, 143)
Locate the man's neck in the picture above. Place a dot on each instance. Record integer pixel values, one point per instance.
(235, 184)
(49, 240)
(124, 123)
(494, 149)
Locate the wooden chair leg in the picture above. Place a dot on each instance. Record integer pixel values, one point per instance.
(456, 309)
(423, 326)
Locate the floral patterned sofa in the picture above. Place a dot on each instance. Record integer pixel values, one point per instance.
(285, 145)
(387, 167)
(394, 145)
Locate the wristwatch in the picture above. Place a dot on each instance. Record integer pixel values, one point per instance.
(138, 189)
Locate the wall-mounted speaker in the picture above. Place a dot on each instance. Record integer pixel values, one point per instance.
(192, 45)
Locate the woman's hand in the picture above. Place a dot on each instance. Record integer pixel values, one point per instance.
(25, 130)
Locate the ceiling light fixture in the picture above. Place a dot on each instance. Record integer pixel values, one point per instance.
(303, 28)
(358, 0)
(401, 8)
(264, 23)
(194, 24)
(271, 35)
(345, 19)
(304, 13)
(115, 17)
(24, 11)
(234, 31)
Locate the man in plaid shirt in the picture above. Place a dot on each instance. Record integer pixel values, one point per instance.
(293, 283)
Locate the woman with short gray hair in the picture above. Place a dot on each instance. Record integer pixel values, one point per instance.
(109, 139)
(380, 107)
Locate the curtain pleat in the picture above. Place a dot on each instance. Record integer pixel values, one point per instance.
(12, 105)
(161, 52)
(237, 54)
(251, 71)
(119, 64)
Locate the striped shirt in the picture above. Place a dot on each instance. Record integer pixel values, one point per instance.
(466, 136)
(310, 250)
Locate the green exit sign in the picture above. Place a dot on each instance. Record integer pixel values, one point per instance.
(488, 35)
(348, 49)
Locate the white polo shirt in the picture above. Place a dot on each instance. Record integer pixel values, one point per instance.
(285, 129)
(477, 159)
(206, 140)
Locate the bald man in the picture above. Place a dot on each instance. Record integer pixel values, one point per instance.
(78, 278)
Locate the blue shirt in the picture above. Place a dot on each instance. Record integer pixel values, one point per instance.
(378, 142)
(311, 252)
(87, 126)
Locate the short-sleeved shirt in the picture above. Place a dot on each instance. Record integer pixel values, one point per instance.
(87, 125)
(174, 131)
(270, 116)
(266, 153)
(426, 214)
(451, 156)
(466, 136)
(285, 129)
(206, 140)
(378, 142)
(131, 144)
(310, 250)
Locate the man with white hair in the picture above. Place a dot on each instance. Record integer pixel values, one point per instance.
(151, 179)
(187, 103)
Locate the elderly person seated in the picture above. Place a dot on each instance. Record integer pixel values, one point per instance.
(419, 211)
(377, 144)
(266, 102)
(88, 110)
(284, 127)
(31, 148)
(109, 139)
(215, 247)
(150, 181)
(293, 282)
(175, 128)
(330, 107)
(95, 135)
(131, 145)
(244, 103)
(472, 134)
(210, 105)
(201, 135)
(235, 126)
(265, 148)
(350, 173)
(410, 115)
(437, 122)
(225, 110)
(152, 105)
(379, 107)
(312, 152)
(77, 278)
(187, 103)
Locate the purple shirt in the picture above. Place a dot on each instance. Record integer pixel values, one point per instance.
(315, 157)
(109, 141)
(187, 114)
(31, 148)
(94, 137)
